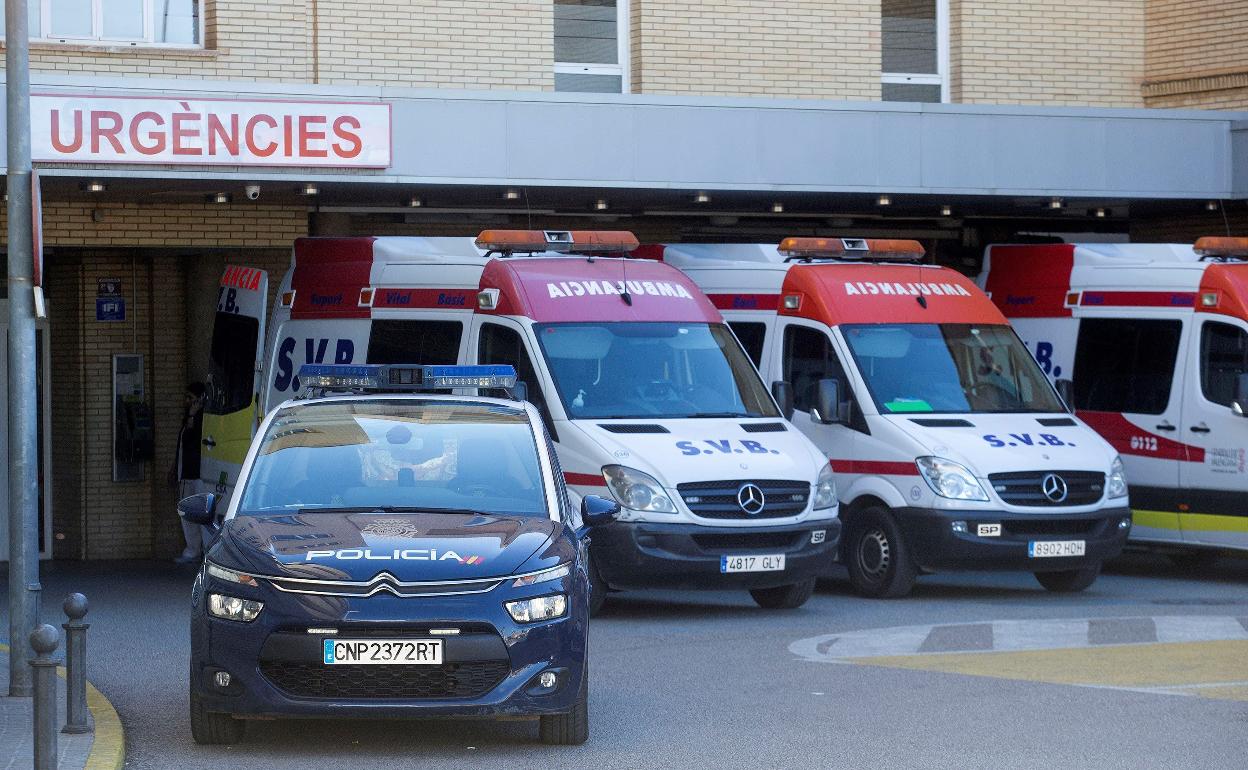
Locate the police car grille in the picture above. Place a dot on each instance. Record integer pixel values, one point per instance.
(718, 499)
(469, 679)
(1026, 487)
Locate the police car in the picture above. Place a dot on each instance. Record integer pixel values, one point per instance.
(393, 552)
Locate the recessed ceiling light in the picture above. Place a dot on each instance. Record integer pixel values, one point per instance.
(221, 197)
(1056, 203)
(601, 204)
(1211, 206)
(96, 187)
(777, 208)
(884, 200)
(702, 197)
(946, 210)
(415, 202)
(512, 194)
(310, 189)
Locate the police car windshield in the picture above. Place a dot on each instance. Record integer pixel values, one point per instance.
(652, 370)
(391, 455)
(948, 368)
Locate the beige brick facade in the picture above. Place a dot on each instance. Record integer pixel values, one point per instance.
(1197, 54)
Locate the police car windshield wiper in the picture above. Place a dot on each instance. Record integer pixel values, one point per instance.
(389, 509)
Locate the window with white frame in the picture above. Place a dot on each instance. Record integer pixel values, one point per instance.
(121, 22)
(914, 50)
(591, 45)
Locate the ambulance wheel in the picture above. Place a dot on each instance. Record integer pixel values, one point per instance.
(784, 597)
(572, 728)
(879, 565)
(210, 728)
(1069, 581)
(1193, 560)
(597, 590)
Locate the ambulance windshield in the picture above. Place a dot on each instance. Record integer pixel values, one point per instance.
(948, 368)
(652, 370)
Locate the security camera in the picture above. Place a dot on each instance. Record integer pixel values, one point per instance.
(253, 191)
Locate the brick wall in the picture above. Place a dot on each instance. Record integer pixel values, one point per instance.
(1196, 54)
(794, 49)
(1072, 52)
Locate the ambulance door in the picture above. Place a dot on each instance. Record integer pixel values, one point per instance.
(806, 355)
(754, 334)
(233, 384)
(503, 341)
(1129, 388)
(1214, 480)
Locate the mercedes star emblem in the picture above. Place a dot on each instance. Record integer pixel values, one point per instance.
(750, 498)
(1054, 487)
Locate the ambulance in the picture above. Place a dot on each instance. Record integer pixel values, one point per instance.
(951, 449)
(648, 397)
(1151, 340)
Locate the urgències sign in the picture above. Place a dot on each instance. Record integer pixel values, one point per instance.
(231, 132)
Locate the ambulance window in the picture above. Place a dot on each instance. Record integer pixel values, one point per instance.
(808, 358)
(414, 342)
(232, 364)
(500, 345)
(751, 335)
(1125, 364)
(1223, 358)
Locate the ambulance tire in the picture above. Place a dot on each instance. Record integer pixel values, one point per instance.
(209, 728)
(1068, 581)
(784, 597)
(597, 590)
(572, 728)
(879, 564)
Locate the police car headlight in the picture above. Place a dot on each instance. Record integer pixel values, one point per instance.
(230, 575)
(539, 608)
(636, 490)
(233, 608)
(553, 573)
(949, 479)
(825, 489)
(1117, 483)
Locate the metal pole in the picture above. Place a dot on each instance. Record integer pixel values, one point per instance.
(23, 460)
(43, 639)
(76, 719)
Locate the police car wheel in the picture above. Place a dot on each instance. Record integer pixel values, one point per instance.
(788, 597)
(209, 728)
(1068, 580)
(572, 728)
(879, 564)
(597, 590)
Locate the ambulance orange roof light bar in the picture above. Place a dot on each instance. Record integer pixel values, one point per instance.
(1221, 247)
(508, 242)
(855, 249)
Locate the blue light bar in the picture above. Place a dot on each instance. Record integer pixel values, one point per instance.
(484, 376)
(405, 377)
(339, 377)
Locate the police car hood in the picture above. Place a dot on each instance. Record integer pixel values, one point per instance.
(358, 546)
(1001, 443)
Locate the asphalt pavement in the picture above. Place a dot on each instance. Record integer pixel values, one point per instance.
(1113, 677)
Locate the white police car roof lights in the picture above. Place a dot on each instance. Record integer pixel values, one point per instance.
(319, 379)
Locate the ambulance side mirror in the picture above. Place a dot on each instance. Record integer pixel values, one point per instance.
(783, 393)
(199, 509)
(1239, 404)
(1066, 391)
(827, 408)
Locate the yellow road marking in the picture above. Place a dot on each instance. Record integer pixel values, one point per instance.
(1164, 667)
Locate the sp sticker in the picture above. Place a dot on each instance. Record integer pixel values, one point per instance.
(817, 536)
(988, 530)
(712, 446)
(1025, 439)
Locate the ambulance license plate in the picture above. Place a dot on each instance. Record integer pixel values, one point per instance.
(1040, 549)
(383, 652)
(772, 562)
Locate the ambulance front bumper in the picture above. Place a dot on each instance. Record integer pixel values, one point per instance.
(935, 544)
(636, 555)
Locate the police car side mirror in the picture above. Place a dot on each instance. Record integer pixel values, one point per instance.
(199, 509)
(783, 393)
(597, 510)
(1239, 404)
(827, 408)
(1066, 391)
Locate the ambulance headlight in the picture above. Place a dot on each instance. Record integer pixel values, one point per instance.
(825, 489)
(1116, 485)
(950, 479)
(636, 490)
(537, 609)
(233, 608)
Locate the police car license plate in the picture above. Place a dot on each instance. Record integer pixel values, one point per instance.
(387, 652)
(759, 563)
(1038, 549)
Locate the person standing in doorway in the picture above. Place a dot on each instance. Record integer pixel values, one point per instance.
(185, 471)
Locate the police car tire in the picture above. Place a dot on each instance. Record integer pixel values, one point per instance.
(1068, 580)
(597, 590)
(788, 597)
(572, 728)
(210, 728)
(898, 575)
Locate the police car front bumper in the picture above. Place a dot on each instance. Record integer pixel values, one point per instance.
(935, 545)
(636, 555)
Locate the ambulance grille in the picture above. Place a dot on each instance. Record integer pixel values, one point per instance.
(1025, 487)
(718, 499)
(470, 679)
(763, 427)
(632, 428)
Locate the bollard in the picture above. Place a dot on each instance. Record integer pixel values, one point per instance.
(77, 719)
(44, 639)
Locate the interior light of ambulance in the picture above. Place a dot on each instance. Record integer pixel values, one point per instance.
(487, 299)
(568, 241)
(893, 250)
(366, 297)
(288, 298)
(1216, 246)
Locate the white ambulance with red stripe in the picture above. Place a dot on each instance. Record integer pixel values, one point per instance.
(951, 449)
(645, 392)
(1152, 342)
